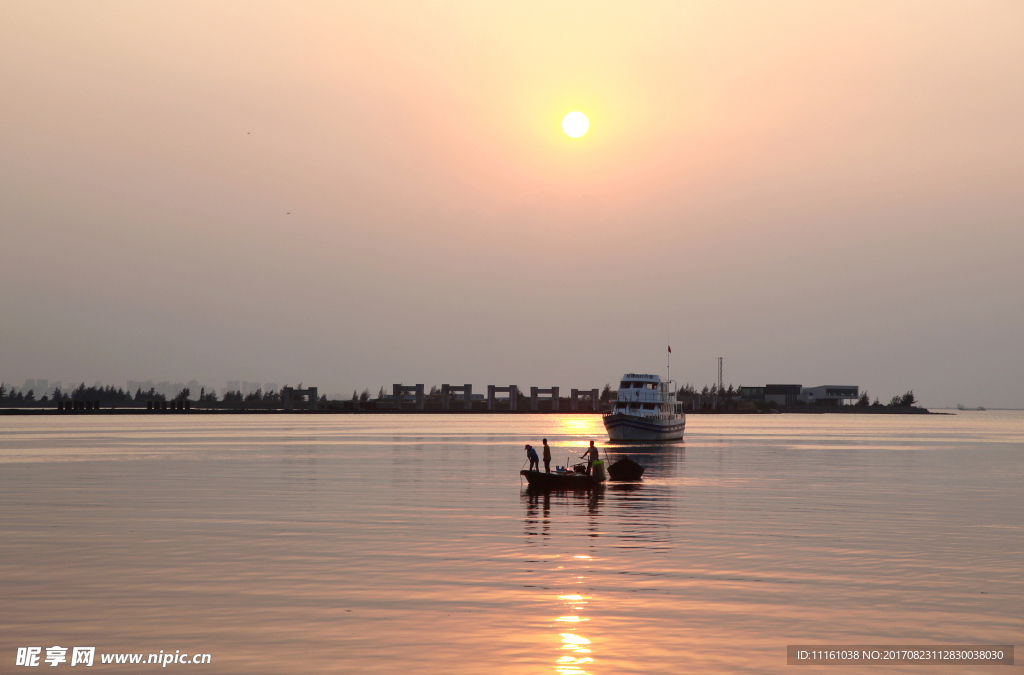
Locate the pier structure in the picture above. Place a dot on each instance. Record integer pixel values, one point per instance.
(513, 394)
(399, 391)
(288, 394)
(467, 396)
(576, 398)
(535, 392)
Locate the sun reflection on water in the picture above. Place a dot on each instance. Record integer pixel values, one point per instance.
(573, 664)
(584, 425)
(578, 647)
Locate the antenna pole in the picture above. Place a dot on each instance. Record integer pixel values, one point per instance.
(719, 374)
(668, 358)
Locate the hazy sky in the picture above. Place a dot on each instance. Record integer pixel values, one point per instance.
(356, 194)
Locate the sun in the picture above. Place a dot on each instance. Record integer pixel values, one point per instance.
(575, 124)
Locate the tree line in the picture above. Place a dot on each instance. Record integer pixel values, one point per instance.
(79, 393)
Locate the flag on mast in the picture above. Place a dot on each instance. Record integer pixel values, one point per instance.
(670, 349)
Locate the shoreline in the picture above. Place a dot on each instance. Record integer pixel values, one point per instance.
(834, 410)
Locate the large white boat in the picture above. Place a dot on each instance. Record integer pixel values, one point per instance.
(645, 410)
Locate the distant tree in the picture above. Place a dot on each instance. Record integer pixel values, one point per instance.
(705, 391)
(207, 396)
(877, 403)
(183, 395)
(908, 400)
(273, 396)
(864, 401)
(233, 396)
(58, 395)
(896, 400)
(44, 398)
(730, 393)
(434, 391)
(31, 395)
(21, 397)
(380, 394)
(606, 393)
(355, 395)
(365, 396)
(255, 395)
(3, 390)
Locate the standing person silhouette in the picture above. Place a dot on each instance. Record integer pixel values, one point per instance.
(591, 455)
(531, 454)
(547, 456)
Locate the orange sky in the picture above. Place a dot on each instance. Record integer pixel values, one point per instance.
(820, 193)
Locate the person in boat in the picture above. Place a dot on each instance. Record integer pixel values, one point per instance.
(591, 455)
(547, 456)
(531, 454)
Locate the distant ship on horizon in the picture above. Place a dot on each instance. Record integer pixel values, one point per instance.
(961, 406)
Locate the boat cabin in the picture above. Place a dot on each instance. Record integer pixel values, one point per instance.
(647, 396)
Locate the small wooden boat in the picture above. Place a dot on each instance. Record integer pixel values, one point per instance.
(625, 469)
(560, 480)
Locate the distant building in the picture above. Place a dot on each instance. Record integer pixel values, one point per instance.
(752, 393)
(788, 394)
(829, 394)
(782, 394)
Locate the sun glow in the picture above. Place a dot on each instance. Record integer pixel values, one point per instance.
(575, 124)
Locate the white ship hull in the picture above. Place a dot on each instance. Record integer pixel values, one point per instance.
(623, 427)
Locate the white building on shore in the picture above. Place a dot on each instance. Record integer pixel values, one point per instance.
(829, 394)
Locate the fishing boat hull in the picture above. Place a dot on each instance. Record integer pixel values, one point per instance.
(625, 470)
(559, 481)
(623, 427)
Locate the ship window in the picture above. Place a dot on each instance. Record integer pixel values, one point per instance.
(638, 385)
(623, 385)
(648, 406)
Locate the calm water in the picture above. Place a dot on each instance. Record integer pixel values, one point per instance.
(366, 544)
